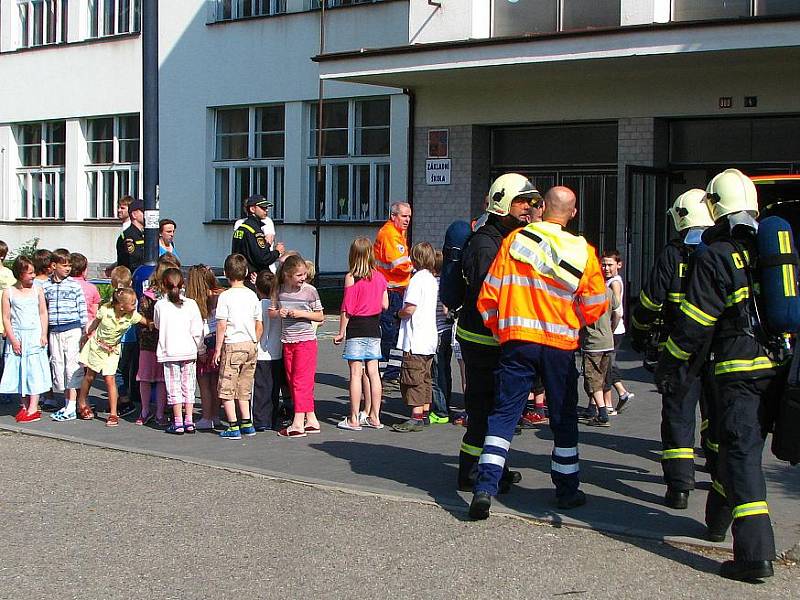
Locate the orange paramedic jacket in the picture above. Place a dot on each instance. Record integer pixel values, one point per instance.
(544, 285)
(391, 256)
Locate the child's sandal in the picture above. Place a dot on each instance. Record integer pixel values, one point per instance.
(85, 413)
(112, 421)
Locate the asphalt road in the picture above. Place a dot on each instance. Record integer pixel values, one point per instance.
(87, 522)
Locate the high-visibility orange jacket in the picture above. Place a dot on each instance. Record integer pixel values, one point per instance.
(544, 285)
(391, 256)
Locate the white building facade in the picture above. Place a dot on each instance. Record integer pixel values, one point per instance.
(238, 97)
(628, 102)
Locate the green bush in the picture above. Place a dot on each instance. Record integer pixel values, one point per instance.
(26, 249)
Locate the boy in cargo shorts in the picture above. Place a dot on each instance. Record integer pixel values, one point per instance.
(239, 327)
(597, 345)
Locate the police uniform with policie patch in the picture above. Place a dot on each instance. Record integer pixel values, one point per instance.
(130, 248)
(249, 241)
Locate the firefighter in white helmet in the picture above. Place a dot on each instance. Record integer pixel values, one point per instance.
(722, 305)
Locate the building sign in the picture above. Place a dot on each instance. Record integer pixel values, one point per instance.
(437, 143)
(437, 171)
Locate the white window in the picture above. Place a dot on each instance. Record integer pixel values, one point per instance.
(112, 170)
(40, 176)
(248, 158)
(42, 22)
(354, 181)
(114, 17)
(239, 9)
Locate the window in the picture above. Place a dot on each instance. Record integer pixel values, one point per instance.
(114, 17)
(239, 9)
(355, 169)
(248, 158)
(40, 175)
(112, 170)
(696, 10)
(42, 22)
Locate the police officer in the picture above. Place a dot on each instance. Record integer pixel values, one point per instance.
(721, 303)
(130, 243)
(660, 298)
(249, 240)
(511, 198)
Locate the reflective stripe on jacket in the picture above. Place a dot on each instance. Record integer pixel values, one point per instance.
(391, 256)
(544, 285)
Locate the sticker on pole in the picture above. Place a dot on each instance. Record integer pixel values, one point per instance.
(151, 219)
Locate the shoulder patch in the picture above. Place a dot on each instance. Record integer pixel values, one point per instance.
(401, 248)
(261, 241)
(130, 246)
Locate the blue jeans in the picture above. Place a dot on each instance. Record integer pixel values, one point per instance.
(441, 375)
(520, 363)
(390, 328)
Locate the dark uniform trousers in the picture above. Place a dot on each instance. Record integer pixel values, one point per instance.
(390, 329)
(678, 420)
(740, 421)
(480, 363)
(520, 363)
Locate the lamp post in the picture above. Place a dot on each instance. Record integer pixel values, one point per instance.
(150, 128)
(319, 196)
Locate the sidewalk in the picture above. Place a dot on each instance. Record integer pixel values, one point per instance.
(620, 466)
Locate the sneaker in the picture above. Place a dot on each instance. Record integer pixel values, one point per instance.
(412, 425)
(231, 433)
(437, 420)
(598, 422)
(623, 401)
(175, 429)
(26, 418)
(247, 429)
(611, 412)
(532, 419)
(63, 415)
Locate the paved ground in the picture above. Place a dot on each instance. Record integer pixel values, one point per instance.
(619, 466)
(85, 522)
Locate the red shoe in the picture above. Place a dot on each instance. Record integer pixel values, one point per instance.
(533, 419)
(26, 418)
(20, 413)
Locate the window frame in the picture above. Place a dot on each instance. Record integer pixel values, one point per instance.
(54, 21)
(30, 206)
(237, 9)
(98, 15)
(379, 166)
(227, 206)
(95, 173)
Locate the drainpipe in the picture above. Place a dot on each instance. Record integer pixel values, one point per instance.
(412, 101)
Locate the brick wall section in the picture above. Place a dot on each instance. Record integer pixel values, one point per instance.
(436, 206)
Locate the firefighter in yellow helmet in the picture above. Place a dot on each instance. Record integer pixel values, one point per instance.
(659, 307)
(721, 305)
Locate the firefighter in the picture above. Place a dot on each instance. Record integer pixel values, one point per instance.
(543, 286)
(660, 299)
(511, 199)
(249, 241)
(721, 304)
(393, 262)
(130, 243)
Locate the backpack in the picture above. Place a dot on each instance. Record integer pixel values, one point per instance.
(452, 286)
(778, 271)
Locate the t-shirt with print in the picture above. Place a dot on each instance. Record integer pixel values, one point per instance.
(299, 330)
(240, 308)
(269, 346)
(418, 332)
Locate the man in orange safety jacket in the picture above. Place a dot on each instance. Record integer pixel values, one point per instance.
(543, 287)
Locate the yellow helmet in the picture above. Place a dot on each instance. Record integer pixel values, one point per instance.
(690, 210)
(507, 187)
(729, 192)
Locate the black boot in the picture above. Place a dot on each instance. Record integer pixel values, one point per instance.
(746, 570)
(480, 505)
(676, 498)
(573, 501)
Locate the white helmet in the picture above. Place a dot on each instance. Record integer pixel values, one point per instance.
(690, 210)
(507, 187)
(729, 192)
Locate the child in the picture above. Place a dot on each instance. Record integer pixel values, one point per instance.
(120, 277)
(239, 328)
(365, 296)
(100, 354)
(298, 304)
(91, 295)
(202, 287)
(6, 281)
(42, 261)
(441, 375)
(25, 324)
(611, 263)
(269, 373)
(597, 345)
(180, 339)
(417, 337)
(150, 374)
(67, 318)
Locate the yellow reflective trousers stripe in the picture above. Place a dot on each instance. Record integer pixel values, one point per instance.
(471, 450)
(739, 366)
(675, 453)
(675, 350)
(750, 509)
